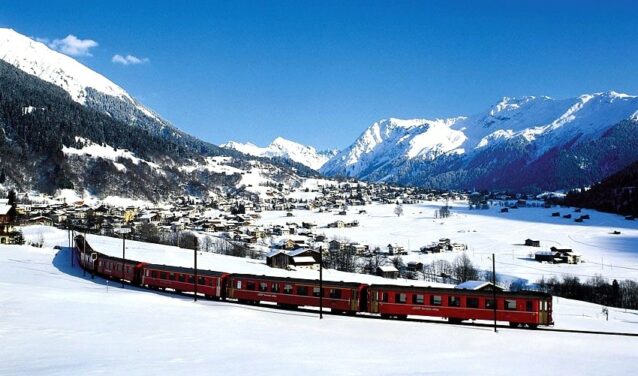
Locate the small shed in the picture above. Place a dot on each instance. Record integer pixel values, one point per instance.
(532, 243)
(388, 271)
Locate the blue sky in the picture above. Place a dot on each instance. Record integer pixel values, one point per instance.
(320, 72)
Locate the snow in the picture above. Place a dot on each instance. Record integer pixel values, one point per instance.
(280, 147)
(489, 231)
(59, 322)
(107, 152)
(37, 59)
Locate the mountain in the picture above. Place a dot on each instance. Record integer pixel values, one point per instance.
(64, 126)
(529, 143)
(280, 147)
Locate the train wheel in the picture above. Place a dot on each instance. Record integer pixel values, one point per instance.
(533, 326)
(513, 325)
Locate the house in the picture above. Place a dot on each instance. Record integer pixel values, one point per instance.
(388, 271)
(556, 214)
(41, 220)
(395, 249)
(565, 255)
(504, 210)
(6, 225)
(532, 243)
(277, 259)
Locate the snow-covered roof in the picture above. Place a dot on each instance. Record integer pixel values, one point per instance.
(4, 209)
(388, 268)
(303, 260)
(473, 285)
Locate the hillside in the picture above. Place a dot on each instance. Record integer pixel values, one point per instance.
(615, 194)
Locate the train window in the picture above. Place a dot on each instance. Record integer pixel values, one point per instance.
(510, 304)
(489, 303)
(287, 289)
(529, 306)
(263, 286)
(315, 291)
(275, 287)
(335, 293)
(400, 298)
(201, 281)
(181, 278)
(435, 300)
(191, 279)
(453, 301)
(154, 273)
(171, 276)
(472, 302)
(417, 299)
(302, 290)
(250, 285)
(239, 285)
(163, 275)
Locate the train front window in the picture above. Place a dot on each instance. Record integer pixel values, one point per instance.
(435, 300)
(510, 304)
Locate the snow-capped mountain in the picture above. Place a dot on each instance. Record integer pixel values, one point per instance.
(280, 147)
(64, 126)
(458, 152)
(84, 85)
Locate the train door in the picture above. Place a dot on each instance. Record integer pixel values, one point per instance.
(373, 297)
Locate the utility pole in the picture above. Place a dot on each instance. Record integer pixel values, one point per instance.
(195, 279)
(68, 235)
(84, 255)
(123, 231)
(494, 287)
(320, 283)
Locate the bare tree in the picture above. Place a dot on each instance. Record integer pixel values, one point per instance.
(463, 269)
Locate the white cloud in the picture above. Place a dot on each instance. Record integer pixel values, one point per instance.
(129, 59)
(72, 45)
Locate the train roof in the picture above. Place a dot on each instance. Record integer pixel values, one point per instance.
(452, 290)
(179, 269)
(299, 280)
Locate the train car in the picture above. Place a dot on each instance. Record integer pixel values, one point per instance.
(518, 308)
(118, 269)
(340, 297)
(211, 284)
(85, 255)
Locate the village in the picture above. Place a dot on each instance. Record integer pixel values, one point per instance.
(233, 225)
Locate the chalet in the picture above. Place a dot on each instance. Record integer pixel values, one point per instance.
(337, 224)
(305, 262)
(6, 227)
(337, 245)
(395, 249)
(556, 214)
(41, 220)
(432, 248)
(277, 259)
(458, 247)
(567, 216)
(532, 243)
(357, 248)
(388, 271)
(585, 216)
(566, 255)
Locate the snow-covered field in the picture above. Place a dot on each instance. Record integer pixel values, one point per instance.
(489, 231)
(54, 321)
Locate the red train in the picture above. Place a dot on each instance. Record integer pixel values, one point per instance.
(518, 308)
